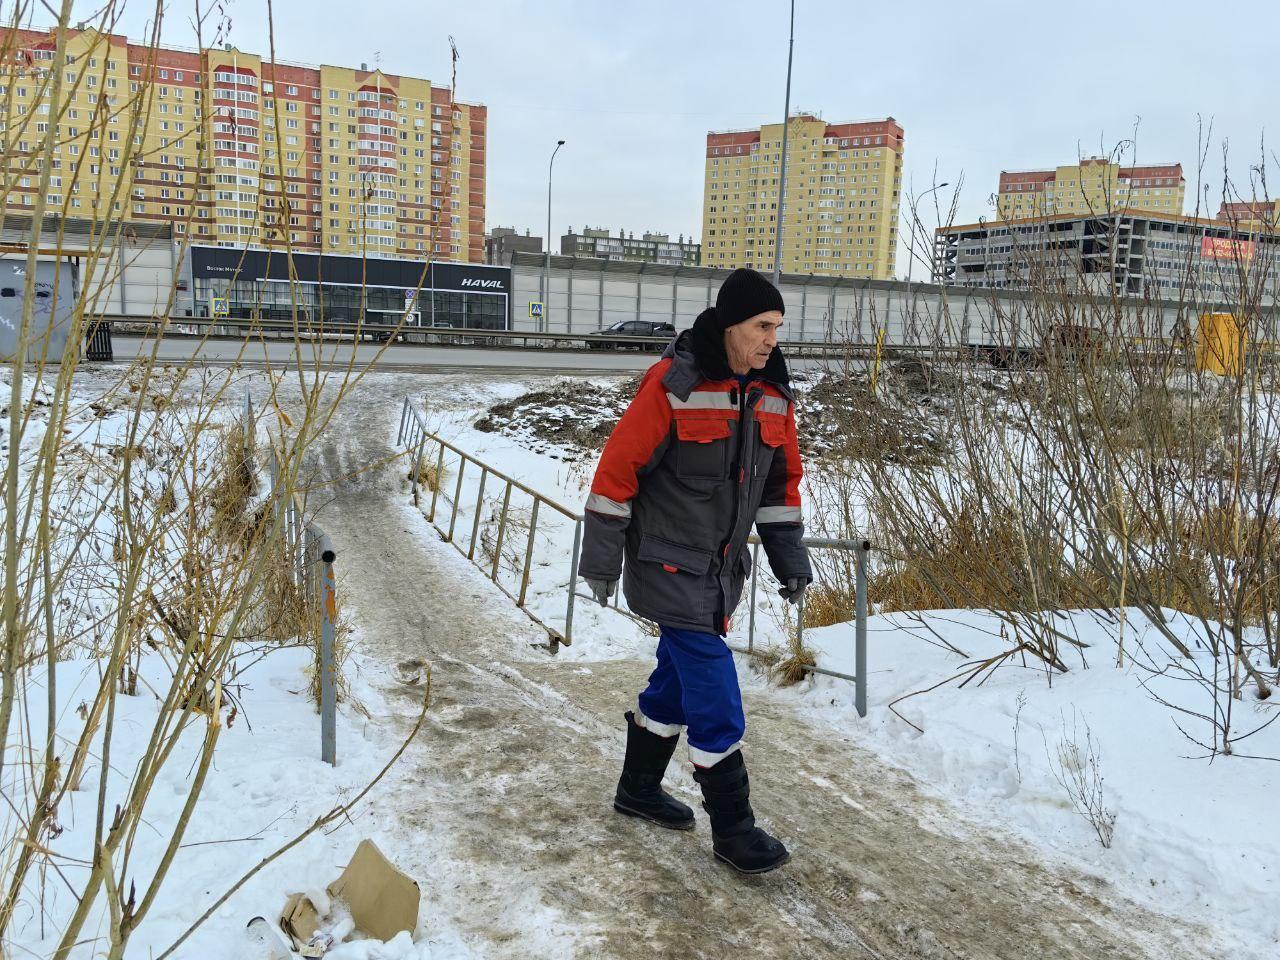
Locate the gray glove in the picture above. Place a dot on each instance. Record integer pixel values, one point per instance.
(793, 589)
(602, 590)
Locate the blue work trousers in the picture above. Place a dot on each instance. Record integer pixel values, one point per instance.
(695, 685)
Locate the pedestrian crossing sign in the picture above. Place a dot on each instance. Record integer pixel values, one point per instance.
(220, 308)
(535, 309)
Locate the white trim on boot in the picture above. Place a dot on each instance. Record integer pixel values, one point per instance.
(703, 758)
(654, 727)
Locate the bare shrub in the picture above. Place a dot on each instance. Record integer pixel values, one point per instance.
(1077, 767)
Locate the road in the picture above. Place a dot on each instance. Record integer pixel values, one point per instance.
(282, 354)
(503, 802)
(407, 358)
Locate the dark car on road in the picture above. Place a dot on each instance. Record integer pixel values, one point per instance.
(609, 337)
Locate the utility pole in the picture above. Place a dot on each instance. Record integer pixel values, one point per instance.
(782, 181)
(546, 264)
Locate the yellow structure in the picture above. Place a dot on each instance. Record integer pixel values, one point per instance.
(1220, 344)
(841, 214)
(234, 150)
(1094, 185)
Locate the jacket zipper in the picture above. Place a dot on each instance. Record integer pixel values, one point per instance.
(750, 397)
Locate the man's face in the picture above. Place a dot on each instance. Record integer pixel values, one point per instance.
(748, 344)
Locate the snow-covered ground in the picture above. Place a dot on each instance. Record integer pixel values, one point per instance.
(1189, 836)
(268, 784)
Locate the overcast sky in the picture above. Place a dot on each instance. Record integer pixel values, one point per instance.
(633, 87)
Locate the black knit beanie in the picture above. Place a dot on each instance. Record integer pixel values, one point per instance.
(744, 294)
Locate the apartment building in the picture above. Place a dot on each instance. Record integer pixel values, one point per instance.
(1094, 185)
(648, 248)
(843, 185)
(1258, 215)
(501, 243)
(234, 150)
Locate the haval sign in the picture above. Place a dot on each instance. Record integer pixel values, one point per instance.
(482, 284)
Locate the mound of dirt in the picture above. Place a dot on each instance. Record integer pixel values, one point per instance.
(569, 414)
(840, 417)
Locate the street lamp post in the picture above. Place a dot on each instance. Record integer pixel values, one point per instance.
(545, 292)
(782, 181)
(909, 328)
(915, 218)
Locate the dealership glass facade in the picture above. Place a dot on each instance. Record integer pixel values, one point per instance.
(348, 289)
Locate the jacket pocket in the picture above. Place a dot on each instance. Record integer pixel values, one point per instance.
(702, 452)
(675, 581)
(773, 430)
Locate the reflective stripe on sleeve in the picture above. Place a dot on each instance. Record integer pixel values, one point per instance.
(774, 405)
(702, 400)
(778, 515)
(601, 504)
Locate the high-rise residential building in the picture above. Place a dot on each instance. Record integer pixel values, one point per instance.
(501, 243)
(841, 215)
(649, 248)
(1263, 215)
(234, 150)
(1094, 185)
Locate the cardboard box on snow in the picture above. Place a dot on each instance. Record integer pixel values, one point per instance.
(383, 899)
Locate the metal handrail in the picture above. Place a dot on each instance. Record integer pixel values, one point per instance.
(413, 436)
(311, 556)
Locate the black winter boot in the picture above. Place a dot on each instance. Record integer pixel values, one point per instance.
(640, 792)
(734, 835)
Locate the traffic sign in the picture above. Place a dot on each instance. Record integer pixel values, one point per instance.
(220, 307)
(535, 309)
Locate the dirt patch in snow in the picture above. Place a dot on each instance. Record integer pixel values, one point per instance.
(569, 414)
(904, 421)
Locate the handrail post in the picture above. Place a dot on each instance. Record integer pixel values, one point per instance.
(328, 684)
(404, 417)
(528, 551)
(751, 614)
(457, 492)
(417, 461)
(435, 494)
(860, 630)
(573, 579)
(502, 530)
(800, 622)
(475, 523)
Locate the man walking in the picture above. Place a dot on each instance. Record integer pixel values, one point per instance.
(707, 448)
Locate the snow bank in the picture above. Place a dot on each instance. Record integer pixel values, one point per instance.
(1188, 836)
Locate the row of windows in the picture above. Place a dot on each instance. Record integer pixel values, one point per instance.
(827, 141)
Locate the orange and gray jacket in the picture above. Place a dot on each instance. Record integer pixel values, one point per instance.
(695, 460)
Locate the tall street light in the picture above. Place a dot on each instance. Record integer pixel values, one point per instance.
(909, 326)
(915, 219)
(546, 264)
(782, 181)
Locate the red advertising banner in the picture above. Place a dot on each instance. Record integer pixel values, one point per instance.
(1225, 248)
